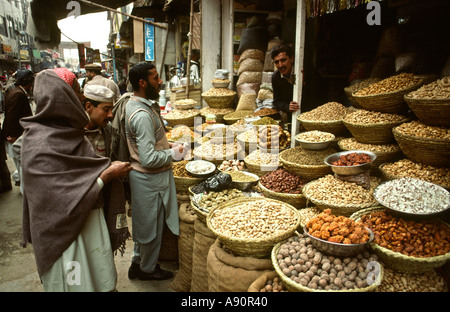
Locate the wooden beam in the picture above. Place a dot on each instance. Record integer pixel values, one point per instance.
(298, 66)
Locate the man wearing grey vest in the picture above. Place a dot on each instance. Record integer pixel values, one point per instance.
(152, 185)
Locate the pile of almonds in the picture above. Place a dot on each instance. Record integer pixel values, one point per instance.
(417, 128)
(391, 84)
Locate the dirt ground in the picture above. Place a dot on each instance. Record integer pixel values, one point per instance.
(18, 271)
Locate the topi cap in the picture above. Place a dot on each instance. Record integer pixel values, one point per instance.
(98, 93)
(93, 66)
(24, 76)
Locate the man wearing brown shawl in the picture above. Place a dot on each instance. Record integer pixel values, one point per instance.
(62, 179)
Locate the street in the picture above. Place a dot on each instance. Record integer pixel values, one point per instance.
(18, 271)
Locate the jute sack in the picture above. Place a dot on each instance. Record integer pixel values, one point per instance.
(229, 273)
(182, 280)
(203, 239)
(251, 64)
(249, 77)
(261, 281)
(252, 53)
(247, 101)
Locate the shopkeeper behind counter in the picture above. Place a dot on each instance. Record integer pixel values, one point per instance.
(283, 80)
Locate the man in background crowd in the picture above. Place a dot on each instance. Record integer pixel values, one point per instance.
(94, 77)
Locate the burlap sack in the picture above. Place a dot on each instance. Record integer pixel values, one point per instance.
(251, 64)
(229, 273)
(247, 88)
(269, 66)
(182, 280)
(249, 77)
(252, 53)
(264, 94)
(247, 101)
(261, 281)
(203, 240)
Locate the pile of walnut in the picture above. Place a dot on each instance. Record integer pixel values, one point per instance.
(425, 238)
(273, 137)
(298, 259)
(337, 229)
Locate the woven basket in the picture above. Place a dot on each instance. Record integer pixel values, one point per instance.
(296, 200)
(386, 176)
(188, 121)
(182, 184)
(307, 172)
(432, 112)
(434, 152)
(351, 89)
(247, 146)
(398, 261)
(296, 287)
(215, 101)
(259, 170)
(374, 133)
(251, 247)
(201, 215)
(336, 127)
(338, 210)
(391, 102)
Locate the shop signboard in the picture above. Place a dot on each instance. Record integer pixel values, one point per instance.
(149, 33)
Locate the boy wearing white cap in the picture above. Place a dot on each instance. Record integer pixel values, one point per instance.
(99, 105)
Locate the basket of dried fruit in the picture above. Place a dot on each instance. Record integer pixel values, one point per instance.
(251, 226)
(219, 97)
(326, 273)
(385, 152)
(358, 86)
(183, 179)
(307, 164)
(429, 145)
(341, 197)
(406, 247)
(387, 95)
(431, 103)
(184, 117)
(373, 127)
(407, 168)
(327, 118)
(284, 186)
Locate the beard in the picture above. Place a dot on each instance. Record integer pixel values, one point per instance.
(151, 93)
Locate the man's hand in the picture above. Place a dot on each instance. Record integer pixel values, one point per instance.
(293, 106)
(11, 139)
(117, 170)
(179, 151)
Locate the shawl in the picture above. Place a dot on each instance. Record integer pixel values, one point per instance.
(60, 170)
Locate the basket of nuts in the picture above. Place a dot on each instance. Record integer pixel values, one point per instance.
(406, 246)
(251, 226)
(260, 163)
(327, 118)
(184, 117)
(315, 271)
(387, 95)
(358, 86)
(373, 127)
(284, 186)
(183, 179)
(429, 145)
(307, 164)
(219, 97)
(341, 197)
(431, 103)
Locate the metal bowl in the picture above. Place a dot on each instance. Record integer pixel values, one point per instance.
(349, 170)
(245, 186)
(337, 249)
(190, 168)
(314, 146)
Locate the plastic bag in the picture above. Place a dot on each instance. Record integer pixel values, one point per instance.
(218, 182)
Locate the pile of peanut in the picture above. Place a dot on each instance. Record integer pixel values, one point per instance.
(391, 84)
(307, 213)
(182, 113)
(408, 168)
(353, 144)
(404, 282)
(301, 156)
(361, 85)
(219, 92)
(417, 128)
(315, 136)
(300, 261)
(326, 112)
(439, 89)
(281, 181)
(258, 219)
(334, 191)
(425, 238)
(362, 116)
